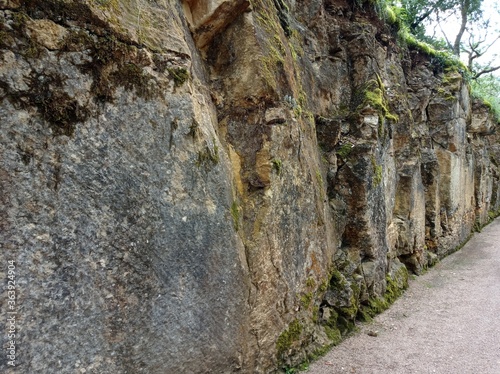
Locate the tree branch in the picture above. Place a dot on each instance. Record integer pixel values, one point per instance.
(444, 34)
(486, 71)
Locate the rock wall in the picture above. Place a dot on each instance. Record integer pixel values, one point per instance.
(223, 186)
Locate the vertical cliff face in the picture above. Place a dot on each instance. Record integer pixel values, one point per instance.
(117, 193)
(223, 186)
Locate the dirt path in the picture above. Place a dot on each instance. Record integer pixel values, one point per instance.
(448, 321)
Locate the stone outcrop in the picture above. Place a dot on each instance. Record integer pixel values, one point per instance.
(223, 186)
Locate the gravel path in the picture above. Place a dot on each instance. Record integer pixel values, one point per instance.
(448, 321)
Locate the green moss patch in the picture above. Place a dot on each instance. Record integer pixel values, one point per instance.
(377, 172)
(306, 299)
(277, 165)
(373, 95)
(344, 150)
(287, 337)
(440, 59)
(395, 288)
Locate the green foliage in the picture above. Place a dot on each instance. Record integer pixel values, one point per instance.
(344, 150)
(304, 366)
(441, 59)
(392, 14)
(418, 11)
(179, 75)
(486, 88)
(409, 18)
(467, 15)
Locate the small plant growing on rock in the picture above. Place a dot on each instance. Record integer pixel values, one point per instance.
(277, 165)
(208, 156)
(235, 213)
(344, 150)
(377, 172)
(179, 75)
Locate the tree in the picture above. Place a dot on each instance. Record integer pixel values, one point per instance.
(487, 88)
(419, 11)
(479, 43)
(472, 33)
(422, 12)
(467, 12)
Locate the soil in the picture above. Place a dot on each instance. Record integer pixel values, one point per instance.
(448, 321)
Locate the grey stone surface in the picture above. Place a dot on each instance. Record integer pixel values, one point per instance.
(187, 189)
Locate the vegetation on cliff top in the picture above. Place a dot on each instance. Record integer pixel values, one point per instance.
(470, 42)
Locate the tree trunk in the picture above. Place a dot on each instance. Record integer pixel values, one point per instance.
(464, 10)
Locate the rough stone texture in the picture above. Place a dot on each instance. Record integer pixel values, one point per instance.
(223, 186)
(209, 18)
(116, 204)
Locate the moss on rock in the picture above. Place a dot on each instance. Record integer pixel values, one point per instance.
(287, 337)
(396, 284)
(344, 150)
(373, 95)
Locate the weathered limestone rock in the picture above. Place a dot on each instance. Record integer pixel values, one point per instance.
(116, 203)
(209, 18)
(481, 122)
(46, 33)
(219, 186)
(409, 216)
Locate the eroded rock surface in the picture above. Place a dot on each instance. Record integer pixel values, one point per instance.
(223, 186)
